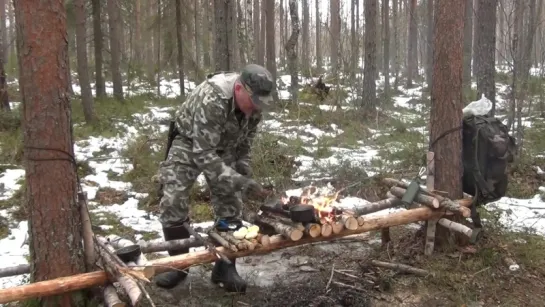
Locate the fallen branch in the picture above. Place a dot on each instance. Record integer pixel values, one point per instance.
(87, 280)
(400, 267)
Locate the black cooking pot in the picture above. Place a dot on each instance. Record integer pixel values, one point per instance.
(129, 253)
(302, 213)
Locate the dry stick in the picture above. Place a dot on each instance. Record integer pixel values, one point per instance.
(88, 245)
(111, 299)
(400, 267)
(87, 280)
(431, 225)
(214, 235)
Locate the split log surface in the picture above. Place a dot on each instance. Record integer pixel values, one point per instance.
(349, 222)
(87, 280)
(327, 230)
(313, 230)
(264, 240)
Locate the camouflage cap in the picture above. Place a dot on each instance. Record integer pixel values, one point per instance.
(259, 82)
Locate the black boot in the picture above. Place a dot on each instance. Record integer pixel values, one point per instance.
(227, 275)
(171, 279)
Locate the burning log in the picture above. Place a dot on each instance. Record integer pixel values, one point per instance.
(310, 229)
(87, 280)
(420, 198)
(111, 299)
(221, 241)
(289, 232)
(400, 267)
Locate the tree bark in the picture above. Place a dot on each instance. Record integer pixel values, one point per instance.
(271, 45)
(4, 98)
(4, 32)
(179, 41)
(318, 39)
(291, 50)
(263, 32)
(56, 248)
(83, 68)
(412, 53)
(485, 48)
(386, 46)
(257, 30)
(335, 34)
(222, 55)
(115, 47)
(429, 60)
(468, 48)
(98, 40)
(370, 66)
(305, 48)
(395, 17)
(446, 98)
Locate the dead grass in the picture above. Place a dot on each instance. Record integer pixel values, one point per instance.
(464, 278)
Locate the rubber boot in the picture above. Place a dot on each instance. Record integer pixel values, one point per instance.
(171, 279)
(226, 275)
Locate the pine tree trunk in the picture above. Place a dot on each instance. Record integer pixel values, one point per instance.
(485, 41)
(305, 48)
(386, 46)
(430, 38)
(446, 99)
(179, 41)
(257, 31)
(221, 48)
(335, 28)
(4, 31)
(83, 68)
(370, 65)
(291, 50)
(319, 59)
(395, 17)
(115, 48)
(271, 46)
(54, 220)
(412, 53)
(468, 48)
(262, 35)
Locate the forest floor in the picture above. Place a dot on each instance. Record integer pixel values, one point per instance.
(120, 153)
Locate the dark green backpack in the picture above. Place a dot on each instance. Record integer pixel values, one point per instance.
(488, 149)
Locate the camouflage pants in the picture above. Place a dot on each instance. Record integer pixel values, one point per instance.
(178, 175)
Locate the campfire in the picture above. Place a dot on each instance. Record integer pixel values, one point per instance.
(326, 211)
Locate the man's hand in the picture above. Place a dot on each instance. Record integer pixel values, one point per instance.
(243, 168)
(248, 186)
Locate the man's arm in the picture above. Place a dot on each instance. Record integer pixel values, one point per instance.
(208, 125)
(243, 152)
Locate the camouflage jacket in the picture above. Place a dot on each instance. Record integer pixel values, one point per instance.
(212, 130)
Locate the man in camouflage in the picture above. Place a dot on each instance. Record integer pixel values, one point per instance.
(215, 128)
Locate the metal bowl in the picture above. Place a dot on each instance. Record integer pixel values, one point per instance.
(129, 253)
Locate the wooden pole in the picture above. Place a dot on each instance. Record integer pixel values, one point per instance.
(431, 224)
(87, 280)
